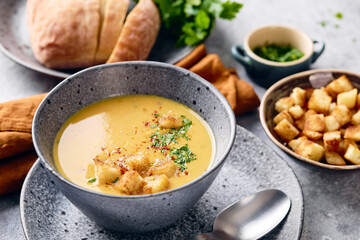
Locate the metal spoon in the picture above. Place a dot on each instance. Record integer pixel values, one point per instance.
(251, 217)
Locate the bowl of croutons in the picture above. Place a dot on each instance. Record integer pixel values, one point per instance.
(315, 117)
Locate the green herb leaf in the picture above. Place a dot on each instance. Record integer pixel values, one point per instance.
(164, 138)
(92, 180)
(182, 156)
(278, 53)
(117, 179)
(323, 23)
(339, 15)
(154, 125)
(156, 114)
(230, 9)
(193, 20)
(202, 20)
(215, 7)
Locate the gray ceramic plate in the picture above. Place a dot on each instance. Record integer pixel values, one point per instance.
(15, 41)
(251, 166)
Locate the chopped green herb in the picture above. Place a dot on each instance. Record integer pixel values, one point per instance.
(323, 23)
(117, 179)
(92, 180)
(181, 156)
(193, 20)
(339, 15)
(336, 25)
(154, 125)
(161, 139)
(278, 53)
(156, 114)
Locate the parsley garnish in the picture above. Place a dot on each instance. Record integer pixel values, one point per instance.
(181, 156)
(117, 179)
(156, 114)
(92, 180)
(164, 138)
(154, 125)
(193, 20)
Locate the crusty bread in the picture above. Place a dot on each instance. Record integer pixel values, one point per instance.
(77, 33)
(64, 34)
(113, 13)
(139, 33)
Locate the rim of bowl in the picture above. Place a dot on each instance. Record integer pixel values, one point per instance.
(215, 165)
(304, 58)
(263, 119)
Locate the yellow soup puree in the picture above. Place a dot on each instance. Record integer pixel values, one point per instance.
(134, 144)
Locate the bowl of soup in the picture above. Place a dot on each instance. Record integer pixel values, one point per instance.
(134, 145)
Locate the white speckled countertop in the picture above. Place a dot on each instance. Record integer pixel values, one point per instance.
(331, 198)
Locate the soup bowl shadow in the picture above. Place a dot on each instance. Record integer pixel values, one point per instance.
(136, 213)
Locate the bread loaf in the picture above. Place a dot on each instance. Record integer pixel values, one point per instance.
(113, 13)
(139, 33)
(64, 34)
(77, 33)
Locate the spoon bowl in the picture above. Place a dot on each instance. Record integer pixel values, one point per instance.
(251, 217)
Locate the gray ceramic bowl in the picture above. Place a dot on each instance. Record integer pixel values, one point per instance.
(143, 212)
(308, 79)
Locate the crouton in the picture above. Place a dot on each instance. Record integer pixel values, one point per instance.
(332, 140)
(284, 104)
(296, 111)
(332, 107)
(342, 114)
(348, 98)
(358, 100)
(299, 96)
(339, 85)
(334, 158)
(352, 155)
(320, 101)
(312, 134)
(156, 184)
(300, 123)
(344, 144)
(331, 124)
(309, 149)
(170, 121)
(315, 123)
(163, 166)
(308, 93)
(283, 115)
(138, 162)
(295, 143)
(353, 133)
(285, 130)
(130, 183)
(105, 173)
(355, 119)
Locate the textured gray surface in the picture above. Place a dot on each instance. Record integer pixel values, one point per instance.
(332, 206)
(251, 166)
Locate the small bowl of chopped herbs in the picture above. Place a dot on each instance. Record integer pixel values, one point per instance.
(272, 52)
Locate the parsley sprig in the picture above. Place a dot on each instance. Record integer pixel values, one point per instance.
(181, 156)
(162, 140)
(193, 20)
